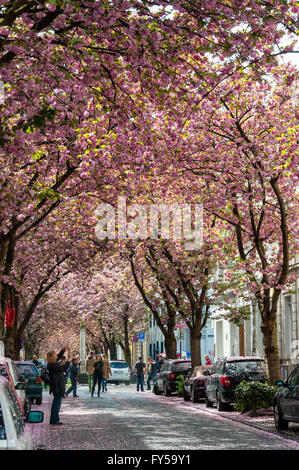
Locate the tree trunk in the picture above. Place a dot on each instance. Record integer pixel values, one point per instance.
(113, 350)
(195, 345)
(270, 342)
(126, 348)
(170, 345)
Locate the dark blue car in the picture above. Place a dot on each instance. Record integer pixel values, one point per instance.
(286, 401)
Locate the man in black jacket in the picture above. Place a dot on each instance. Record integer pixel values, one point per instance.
(139, 369)
(58, 365)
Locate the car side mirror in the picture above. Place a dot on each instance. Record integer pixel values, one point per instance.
(20, 386)
(279, 383)
(34, 417)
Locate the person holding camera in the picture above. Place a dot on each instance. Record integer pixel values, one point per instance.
(58, 365)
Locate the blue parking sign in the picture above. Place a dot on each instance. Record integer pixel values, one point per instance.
(141, 336)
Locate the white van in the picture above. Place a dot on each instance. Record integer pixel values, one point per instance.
(12, 423)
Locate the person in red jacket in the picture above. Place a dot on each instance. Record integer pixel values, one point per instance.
(208, 361)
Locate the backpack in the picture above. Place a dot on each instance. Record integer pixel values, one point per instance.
(44, 375)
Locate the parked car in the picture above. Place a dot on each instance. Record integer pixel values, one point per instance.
(33, 382)
(4, 372)
(227, 373)
(164, 381)
(195, 383)
(286, 401)
(18, 382)
(120, 372)
(12, 423)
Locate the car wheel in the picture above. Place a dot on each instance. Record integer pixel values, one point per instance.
(128, 383)
(220, 406)
(39, 401)
(166, 391)
(186, 396)
(195, 398)
(280, 423)
(156, 391)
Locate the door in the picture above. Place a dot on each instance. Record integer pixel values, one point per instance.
(290, 399)
(210, 384)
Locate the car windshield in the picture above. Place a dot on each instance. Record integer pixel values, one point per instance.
(15, 410)
(119, 365)
(27, 369)
(236, 367)
(181, 365)
(198, 371)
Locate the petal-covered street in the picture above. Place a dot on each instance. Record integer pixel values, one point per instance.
(123, 419)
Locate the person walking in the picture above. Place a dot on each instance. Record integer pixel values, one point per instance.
(150, 369)
(140, 369)
(97, 375)
(106, 372)
(58, 365)
(90, 369)
(73, 374)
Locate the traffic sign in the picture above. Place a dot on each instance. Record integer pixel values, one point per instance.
(135, 339)
(141, 337)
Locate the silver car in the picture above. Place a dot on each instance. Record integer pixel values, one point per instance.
(121, 372)
(12, 423)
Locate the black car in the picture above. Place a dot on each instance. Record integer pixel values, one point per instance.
(227, 373)
(286, 401)
(195, 383)
(164, 381)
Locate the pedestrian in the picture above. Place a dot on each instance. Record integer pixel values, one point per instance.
(208, 360)
(90, 369)
(35, 361)
(73, 374)
(106, 372)
(159, 363)
(150, 369)
(139, 369)
(57, 366)
(97, 375)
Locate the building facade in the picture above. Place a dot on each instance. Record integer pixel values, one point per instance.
(155, 341)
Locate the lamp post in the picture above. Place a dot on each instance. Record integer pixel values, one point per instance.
(83, 378)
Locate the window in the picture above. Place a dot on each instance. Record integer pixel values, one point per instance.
(119, 365)
(219, 367)
(237, 367)
(181, 365)
(27, 369)
(2, 427)
(15, 411)
(294, 378)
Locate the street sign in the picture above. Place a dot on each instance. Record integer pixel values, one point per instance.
(141, 336)
(135, 339)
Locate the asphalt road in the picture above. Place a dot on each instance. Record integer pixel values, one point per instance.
(123, 419)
